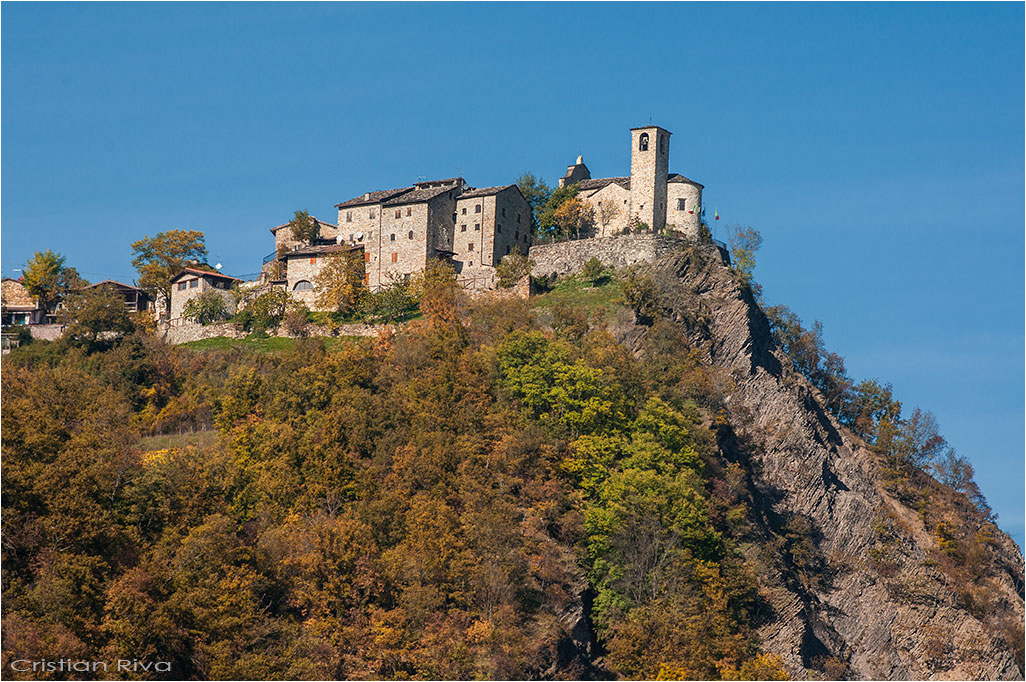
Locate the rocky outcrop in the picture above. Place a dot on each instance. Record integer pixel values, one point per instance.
(843, 615)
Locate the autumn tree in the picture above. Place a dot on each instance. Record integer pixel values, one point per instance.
(339, 284)
(573, 217)
(607, 212)
(47, 278)
(548, 225)
(161, 257)
(304, 228)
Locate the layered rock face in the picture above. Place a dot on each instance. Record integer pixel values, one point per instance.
(842, 610)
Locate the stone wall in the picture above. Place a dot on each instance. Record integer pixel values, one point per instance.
(46, 332)
(190, 331)
(620, 251)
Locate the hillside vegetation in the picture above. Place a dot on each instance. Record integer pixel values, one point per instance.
(573, 491)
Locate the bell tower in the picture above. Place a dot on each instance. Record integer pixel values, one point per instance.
(650, 161)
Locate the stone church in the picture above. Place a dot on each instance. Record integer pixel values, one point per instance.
(651, 196)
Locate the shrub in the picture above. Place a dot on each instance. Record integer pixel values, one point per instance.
(206, 308)
(264, 312)
(512, 268)
(641, 295)
(297, 319)
(592, 270)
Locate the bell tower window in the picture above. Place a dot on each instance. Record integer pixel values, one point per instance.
(643, 142)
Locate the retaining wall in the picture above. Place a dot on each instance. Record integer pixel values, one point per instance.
(619, 251)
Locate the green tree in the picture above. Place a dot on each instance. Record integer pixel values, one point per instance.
(304, 228)
(744, 242)
(641, 294)
(593, 270)
(46, 277)
(95, 318)
(392, 302)
(161, 257)
(537, 194)
(206, 308)
(512, 268)
(340, 283)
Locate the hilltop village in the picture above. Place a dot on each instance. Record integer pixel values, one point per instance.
(395, 234)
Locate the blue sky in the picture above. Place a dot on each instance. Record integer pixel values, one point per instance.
(877, 147)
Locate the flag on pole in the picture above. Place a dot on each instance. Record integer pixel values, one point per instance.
(717, 214)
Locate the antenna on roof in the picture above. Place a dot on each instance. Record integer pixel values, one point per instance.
(217, 267)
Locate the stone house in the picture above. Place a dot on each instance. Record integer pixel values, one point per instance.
(651, 195)
(304, 265)
(18, 306)
(491, 222)
(191, 282)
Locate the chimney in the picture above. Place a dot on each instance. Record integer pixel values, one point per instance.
(366, 196)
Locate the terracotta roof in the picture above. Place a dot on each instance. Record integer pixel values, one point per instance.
(318, 250)
(14, 295)
(375, 197)
(484, 191)
(319, 222)
(677, 177)
(210, 273)
(419, 195)
(599, 183)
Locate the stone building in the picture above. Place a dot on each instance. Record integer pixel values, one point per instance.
(304, 265)
(136, 300)
(402, 229)
(18, 306)
(191, 282)
(651, 196)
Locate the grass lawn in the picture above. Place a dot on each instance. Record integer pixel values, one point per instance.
(269, 344)
(599, 300)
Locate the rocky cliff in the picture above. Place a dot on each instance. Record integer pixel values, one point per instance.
(855, 587)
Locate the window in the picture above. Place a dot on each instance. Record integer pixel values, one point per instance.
(411, 234)
(372, 215)
(409, 210)
(349, 216)
(498, 228)
(391, 237)
(464, 211)
(471, 263)
(470, 246)
(507, 250)
(503, 213)
(463, 228)
(477, 227)
(516, 235)
(477, 208)
(193, 283)
(643, 142)
(366, 257)
(395, 256)
(181, 286)
(303, 285)
(366, 278)
(313, 261)
(518, 217)
(398, 213)
(680, 204)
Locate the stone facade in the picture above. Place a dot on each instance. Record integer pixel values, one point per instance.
(651, 195)
(191, 282)
(191, 331)
(490, 223)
